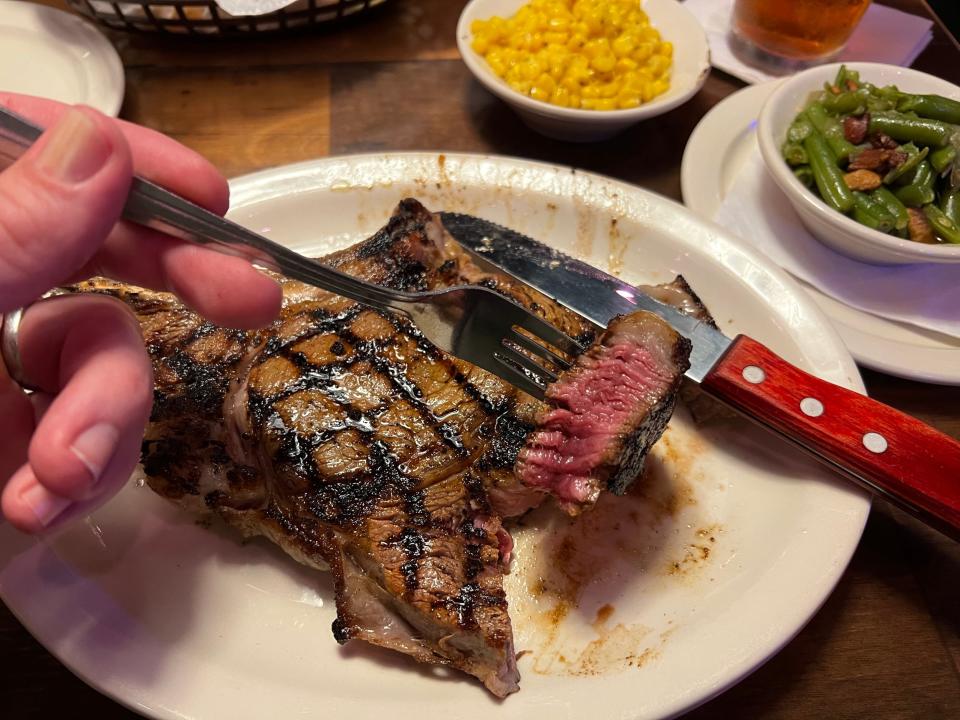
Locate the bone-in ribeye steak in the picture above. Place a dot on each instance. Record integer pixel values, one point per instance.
(343, 436)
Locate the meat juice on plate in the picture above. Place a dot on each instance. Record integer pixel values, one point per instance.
(576, 583)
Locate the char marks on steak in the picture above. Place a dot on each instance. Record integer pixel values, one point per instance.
(341, 435)
(606, 412)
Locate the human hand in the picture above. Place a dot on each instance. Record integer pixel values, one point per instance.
(69, 446)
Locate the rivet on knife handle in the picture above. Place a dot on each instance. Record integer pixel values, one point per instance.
(892, 454)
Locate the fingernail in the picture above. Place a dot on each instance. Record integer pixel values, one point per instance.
(46, 506)
(95, 446)
(75, 148)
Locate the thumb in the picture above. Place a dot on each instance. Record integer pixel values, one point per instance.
(59, 202)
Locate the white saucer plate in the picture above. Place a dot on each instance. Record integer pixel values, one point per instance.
(53, 54)
(716, 151)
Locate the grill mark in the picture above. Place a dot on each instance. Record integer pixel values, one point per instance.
(400, 381)
(476, 492)
(507, 442)
(313, 377)
(385, 468)
(298, 451)
(472, 564)
(202, 330)
(351, 500)
(205, 384)
(466, 602)
(414, 547)
(301, 533)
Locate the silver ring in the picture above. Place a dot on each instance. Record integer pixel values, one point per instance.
(10, 348)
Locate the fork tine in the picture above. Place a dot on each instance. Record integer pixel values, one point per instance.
(518, 377)
(548, 333)
(538, 349)
(527, 364)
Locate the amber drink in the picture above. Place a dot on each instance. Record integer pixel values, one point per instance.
(795, 32)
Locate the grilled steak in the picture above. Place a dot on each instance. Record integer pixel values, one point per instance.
(343, 436)
(606, 412)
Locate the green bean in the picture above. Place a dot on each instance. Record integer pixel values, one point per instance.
(873, 215)
(832, 131)
(804, 174)
(942, 158)
(799, 129)
(843, 75)
(826, 174)
(935, 107)
(919, 190)
(889, 93)
(794, 154)
(946, 228)
(950, 204)
(893, 205)
(903, 128)
(846, 103)
(914, 158)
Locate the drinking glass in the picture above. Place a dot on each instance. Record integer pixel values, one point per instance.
(792, 34)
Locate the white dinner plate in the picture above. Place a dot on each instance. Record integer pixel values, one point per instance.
(642, 608)
(717, 149)
(57, 55)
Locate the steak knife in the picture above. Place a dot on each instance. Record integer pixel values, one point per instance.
(886, 451)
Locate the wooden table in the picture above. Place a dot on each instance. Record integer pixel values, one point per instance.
(887, 643)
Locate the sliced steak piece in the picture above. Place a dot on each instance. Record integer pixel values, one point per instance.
(606, 412)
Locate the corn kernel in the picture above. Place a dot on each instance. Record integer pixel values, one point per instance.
(604, 63)
(547, 83)
(610, 90)
(561, 97)
(522, 86)
(539, 93)
(643, 52)
(623, 46)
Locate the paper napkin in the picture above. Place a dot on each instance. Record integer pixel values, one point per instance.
(927, 296)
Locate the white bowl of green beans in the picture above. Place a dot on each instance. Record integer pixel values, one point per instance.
(869, 157)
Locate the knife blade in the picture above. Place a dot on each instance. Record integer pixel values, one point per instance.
(886, 451)
(580, 287)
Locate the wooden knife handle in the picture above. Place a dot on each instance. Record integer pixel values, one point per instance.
(892, 454)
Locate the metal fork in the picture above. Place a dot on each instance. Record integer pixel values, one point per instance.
(472, 323)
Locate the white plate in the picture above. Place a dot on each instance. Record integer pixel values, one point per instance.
(717, 149)
(53, 54)
(735, 543)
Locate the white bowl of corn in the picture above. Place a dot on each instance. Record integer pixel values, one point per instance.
(584, 70)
